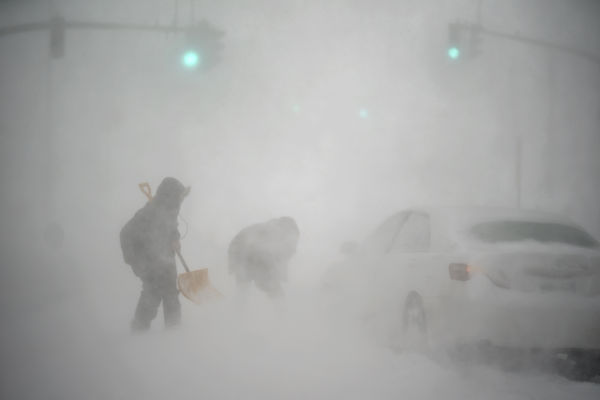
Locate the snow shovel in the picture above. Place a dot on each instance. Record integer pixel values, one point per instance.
(194, 285)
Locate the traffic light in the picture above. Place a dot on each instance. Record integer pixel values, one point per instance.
(190, 59)
(203, 46)
(464, 40)
(57, 37)
(454, 49)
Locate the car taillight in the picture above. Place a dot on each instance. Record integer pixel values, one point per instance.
(460, 272)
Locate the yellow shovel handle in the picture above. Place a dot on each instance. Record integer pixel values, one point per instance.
(145, 188)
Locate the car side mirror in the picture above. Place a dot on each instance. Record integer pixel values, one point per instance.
(348, 248)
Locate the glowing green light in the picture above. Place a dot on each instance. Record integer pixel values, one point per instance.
(363, 113)
(190, 59)
(453, 53)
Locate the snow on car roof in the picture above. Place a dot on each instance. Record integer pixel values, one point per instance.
(473, 215)
(460, 219)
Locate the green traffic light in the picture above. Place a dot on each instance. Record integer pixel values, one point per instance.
(453, 53)
(190, 59)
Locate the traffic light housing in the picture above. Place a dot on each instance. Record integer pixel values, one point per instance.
(454, 48)
(464, 40)
(203, 46)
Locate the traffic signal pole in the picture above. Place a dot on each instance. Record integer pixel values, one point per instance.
(473, 30)
(57, 27)
(550, 129)
(47, 25)
(458, 31)
(517, 37)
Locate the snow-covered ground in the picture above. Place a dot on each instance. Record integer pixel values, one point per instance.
(226, 350)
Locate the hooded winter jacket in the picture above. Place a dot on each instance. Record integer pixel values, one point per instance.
(147, 239)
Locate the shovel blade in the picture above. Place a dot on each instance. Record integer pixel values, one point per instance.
(196, 286)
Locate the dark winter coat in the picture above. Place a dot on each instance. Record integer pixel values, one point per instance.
(147, 239)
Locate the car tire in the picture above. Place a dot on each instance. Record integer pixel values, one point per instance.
(414, 324)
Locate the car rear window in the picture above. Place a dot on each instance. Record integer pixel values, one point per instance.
(517, 231)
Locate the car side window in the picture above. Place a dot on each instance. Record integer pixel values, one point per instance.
(382, 239)
(415, 235)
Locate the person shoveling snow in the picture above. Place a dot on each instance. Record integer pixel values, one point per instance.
(149, 241)
(260, 253)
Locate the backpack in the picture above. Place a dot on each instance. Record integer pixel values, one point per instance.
(132, 243)
(127, 238)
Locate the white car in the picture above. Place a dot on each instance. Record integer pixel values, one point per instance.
(514, 278)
